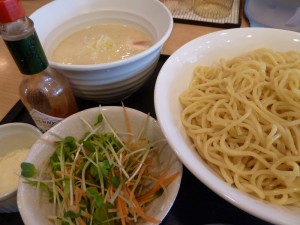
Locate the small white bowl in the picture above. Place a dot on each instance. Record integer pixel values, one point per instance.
(175, 77)
(15, 136)
(106, 82)
(35, 212)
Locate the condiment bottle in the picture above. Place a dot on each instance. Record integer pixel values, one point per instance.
(46, 94)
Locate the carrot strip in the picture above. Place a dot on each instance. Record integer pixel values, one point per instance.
(80, 221)
(79, 193)
(140, 174)
(82, 194)
(156, 186)
(160, 182)
(124, 204)
(137, 208)
(121, 210)
(170, 179)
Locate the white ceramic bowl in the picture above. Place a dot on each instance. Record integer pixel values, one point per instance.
(106, 82)
(34, 213)
(14, 136)
(174, 78)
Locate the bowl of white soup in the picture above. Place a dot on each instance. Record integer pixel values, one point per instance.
(106, 48)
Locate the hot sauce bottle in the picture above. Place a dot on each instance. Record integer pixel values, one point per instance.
(46, 94)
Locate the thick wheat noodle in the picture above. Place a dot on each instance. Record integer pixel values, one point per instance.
(243, 117)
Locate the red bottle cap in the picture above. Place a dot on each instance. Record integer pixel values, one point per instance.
(10, 10)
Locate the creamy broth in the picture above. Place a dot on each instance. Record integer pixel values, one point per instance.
(101, 43)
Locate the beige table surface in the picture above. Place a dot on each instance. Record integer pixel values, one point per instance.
(10, 76)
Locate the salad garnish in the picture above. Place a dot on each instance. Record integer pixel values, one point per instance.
(103, 178)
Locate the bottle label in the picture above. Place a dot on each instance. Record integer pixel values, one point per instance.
(28, 54)
(43, 121)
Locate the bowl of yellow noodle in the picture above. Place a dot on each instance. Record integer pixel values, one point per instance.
(229, 105)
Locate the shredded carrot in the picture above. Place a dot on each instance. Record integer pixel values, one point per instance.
(140, 174)
(137, 208)
(137, 145)
(121, 210)
(160, 182)
(80, 221)
(170, 179)
(79, 193)
(82, 193)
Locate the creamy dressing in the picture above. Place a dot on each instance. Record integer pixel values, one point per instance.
(101, 43)
(10, 169)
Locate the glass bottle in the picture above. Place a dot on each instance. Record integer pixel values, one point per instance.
(46, 94)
